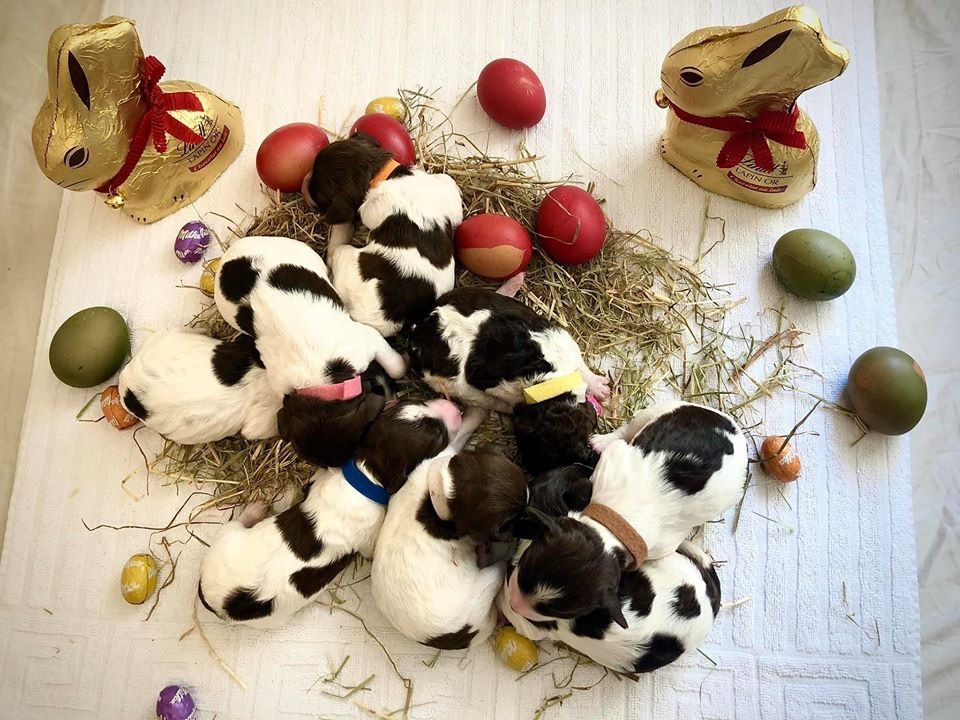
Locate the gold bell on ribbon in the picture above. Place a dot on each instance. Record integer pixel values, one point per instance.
(115, 200)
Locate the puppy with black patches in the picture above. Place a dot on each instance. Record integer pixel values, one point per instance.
(411, 214)
(325, 365)
(668, 606)
(672, 468)
(192, 389)
(492, 351)
(426, 576)
(261, 571)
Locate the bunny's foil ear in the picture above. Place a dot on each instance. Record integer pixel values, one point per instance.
(766, 49)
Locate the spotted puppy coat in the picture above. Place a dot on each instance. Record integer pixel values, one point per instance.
(673, 467)
(427, 578)
(261, 571)
(277, 291)
(485, 348)
(407, 262)
(192, 389)
(669, 605)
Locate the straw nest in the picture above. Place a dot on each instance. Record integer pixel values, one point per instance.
(650, 319)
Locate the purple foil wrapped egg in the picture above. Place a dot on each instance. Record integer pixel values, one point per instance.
(175, 703)
(192, 240)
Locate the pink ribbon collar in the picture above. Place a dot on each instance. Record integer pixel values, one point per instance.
(346, 390)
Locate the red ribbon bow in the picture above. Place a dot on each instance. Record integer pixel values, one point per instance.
(157, 122)
(751, 135)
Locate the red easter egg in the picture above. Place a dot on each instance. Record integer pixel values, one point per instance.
(511, 93)
(286, 155)
(570, 225)
(494, 247)
(392, 136)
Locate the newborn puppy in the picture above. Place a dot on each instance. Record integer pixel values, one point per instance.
(426, 577)
(192, 389)
(261, 571)
(492, 351)
(322, 362)
(411, 214)
(673, 467)
(669, 606)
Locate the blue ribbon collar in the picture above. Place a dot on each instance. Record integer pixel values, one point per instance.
(364, 485)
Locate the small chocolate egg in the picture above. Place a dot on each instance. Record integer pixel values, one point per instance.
(387, 105)
(784, 465)
(192, 240)
(89, 347)
(518, 652)
(138, 579)
(175, 703)
(114, 411)
(209, 276)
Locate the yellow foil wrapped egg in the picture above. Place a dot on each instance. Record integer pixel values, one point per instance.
(138, 579)
(518, 652)
(209, 276)
(387, 105)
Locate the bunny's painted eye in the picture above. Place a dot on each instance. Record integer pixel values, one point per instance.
(76, 157)
(691, 76)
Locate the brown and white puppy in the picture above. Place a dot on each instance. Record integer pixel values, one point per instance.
(326, 365)
(262, 571)
(485, 348)
(426, 576)
(411, 214)
(673, 467)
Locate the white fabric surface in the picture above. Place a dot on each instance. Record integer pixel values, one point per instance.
(791, 652)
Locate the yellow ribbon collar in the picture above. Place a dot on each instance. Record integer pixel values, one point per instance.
(551, 388)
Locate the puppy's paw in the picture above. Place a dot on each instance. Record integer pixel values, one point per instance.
(599, 443)
(599, 387)
(253, 513)
(512, 286)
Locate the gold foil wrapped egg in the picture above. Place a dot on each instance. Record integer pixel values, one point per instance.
(387, 105)
(138, 579)
(209, 276)
(518, 652)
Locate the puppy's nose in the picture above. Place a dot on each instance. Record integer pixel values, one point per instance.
(446, 411)
(305, 189)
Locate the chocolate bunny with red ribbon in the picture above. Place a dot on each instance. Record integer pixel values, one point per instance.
(108, 123)
(733, 124)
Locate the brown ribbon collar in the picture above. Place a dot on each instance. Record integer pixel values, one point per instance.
(384, 173)
(621, 530)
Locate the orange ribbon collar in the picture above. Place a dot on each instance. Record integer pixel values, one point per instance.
(384, 173)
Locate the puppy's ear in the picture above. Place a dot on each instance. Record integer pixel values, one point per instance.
(437, 484)
(578, 495)
(532, 524)
(341, 210)
(612, 605)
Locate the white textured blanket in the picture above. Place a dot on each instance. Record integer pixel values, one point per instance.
(831, 627)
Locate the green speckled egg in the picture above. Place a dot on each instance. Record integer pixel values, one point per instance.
(887, 390)
(814, 264)
(89, 347)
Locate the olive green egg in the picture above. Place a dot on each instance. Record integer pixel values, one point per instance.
(814, 264)
(887, 390)
(89, 347)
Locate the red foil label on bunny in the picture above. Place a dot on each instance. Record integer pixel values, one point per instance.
(733, 125)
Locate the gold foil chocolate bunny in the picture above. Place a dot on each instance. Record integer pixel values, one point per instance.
(733, 125)
(109, 125)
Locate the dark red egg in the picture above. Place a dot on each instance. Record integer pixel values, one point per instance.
(286, 155)
(511, 93)
(392, 136)
(494, 247)
(570, 225)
